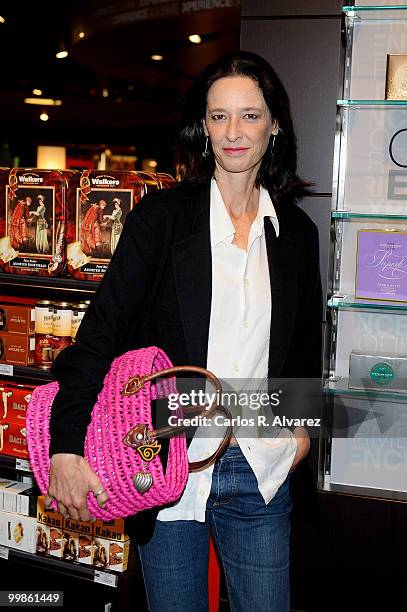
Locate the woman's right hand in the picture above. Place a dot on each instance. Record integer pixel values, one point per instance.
(70, 480)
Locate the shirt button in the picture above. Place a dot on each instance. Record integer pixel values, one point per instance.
(246, 280)
(236, 367)
(246, 323)
(201, 492)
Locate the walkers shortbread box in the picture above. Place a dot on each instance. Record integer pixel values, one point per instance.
(34, 208)
(102, 202)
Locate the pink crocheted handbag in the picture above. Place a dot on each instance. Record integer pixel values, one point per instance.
(121, 445)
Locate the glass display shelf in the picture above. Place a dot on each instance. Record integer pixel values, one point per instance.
(27, 374)
(364, 492)
(375, 103)
(348, 214)
(376, 13)
(337, 385)
(41, 283)
(350, 301)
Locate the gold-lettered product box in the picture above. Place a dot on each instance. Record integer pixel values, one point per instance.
(111, 545)
(60, 537)
(396, 77)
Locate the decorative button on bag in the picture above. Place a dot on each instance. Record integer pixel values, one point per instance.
(121, 445)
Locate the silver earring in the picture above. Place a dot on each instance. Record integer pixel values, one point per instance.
(274, 137)
(205, 153)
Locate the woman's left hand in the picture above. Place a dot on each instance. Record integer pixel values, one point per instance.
(303, 446)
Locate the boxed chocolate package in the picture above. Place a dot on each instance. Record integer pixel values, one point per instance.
(17, 350)
(50, 523)
(47, 516)
(36, 214)
(13, 439)
(103, 200)
(17, 531)
(17, 319)
(111, 545)
(14, 400)
(72, 530)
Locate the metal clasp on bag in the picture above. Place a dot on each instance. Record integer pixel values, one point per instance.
(144, 440)
(133, 385)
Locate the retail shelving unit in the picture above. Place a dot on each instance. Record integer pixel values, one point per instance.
(364, 442)
(111, 589)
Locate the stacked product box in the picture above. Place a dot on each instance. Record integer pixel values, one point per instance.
(18, 531)
(102, 201)
(14, 399)
(34, 208)
(98, 544)
(111, 545)
(17, 322)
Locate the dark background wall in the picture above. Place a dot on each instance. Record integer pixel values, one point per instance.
(351, 558)
(301, 40)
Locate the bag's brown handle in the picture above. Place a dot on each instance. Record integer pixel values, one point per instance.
(136, 436)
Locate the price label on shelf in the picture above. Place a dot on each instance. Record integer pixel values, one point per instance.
(105, 578)
(4, 552)
(6, 369)
(23, 464)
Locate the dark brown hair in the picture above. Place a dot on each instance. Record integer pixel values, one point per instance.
(277, 171)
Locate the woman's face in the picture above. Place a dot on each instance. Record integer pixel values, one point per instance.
(238, 123)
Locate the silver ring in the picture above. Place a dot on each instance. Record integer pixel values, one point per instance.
(99, 492)
(50, 505)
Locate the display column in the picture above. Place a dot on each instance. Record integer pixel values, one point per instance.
(363, 447)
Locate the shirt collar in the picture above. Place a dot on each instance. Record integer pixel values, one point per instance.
(221, 225)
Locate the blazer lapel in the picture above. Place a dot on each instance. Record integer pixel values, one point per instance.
(192, 261)
(192, 265)
(282, 260)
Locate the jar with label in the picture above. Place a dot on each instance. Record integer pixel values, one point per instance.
(61, 326)
(78, 312)
(44, 315)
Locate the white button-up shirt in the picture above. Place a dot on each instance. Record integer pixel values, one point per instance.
(238, 350)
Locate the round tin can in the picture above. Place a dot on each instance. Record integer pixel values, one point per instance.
(61, 326)
(44, 315)
(78, 312)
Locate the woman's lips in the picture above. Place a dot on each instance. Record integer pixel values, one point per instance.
(235, 150)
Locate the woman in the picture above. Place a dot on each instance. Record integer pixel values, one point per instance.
(196, 271)
(41, 231)
(117, 226)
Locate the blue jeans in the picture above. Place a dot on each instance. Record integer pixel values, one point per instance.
(251, 537)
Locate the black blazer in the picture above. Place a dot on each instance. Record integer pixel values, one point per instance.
(157, 291)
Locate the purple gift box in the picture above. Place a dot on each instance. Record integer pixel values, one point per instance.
(381, 266)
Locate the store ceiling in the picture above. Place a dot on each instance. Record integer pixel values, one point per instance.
(114, 55)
